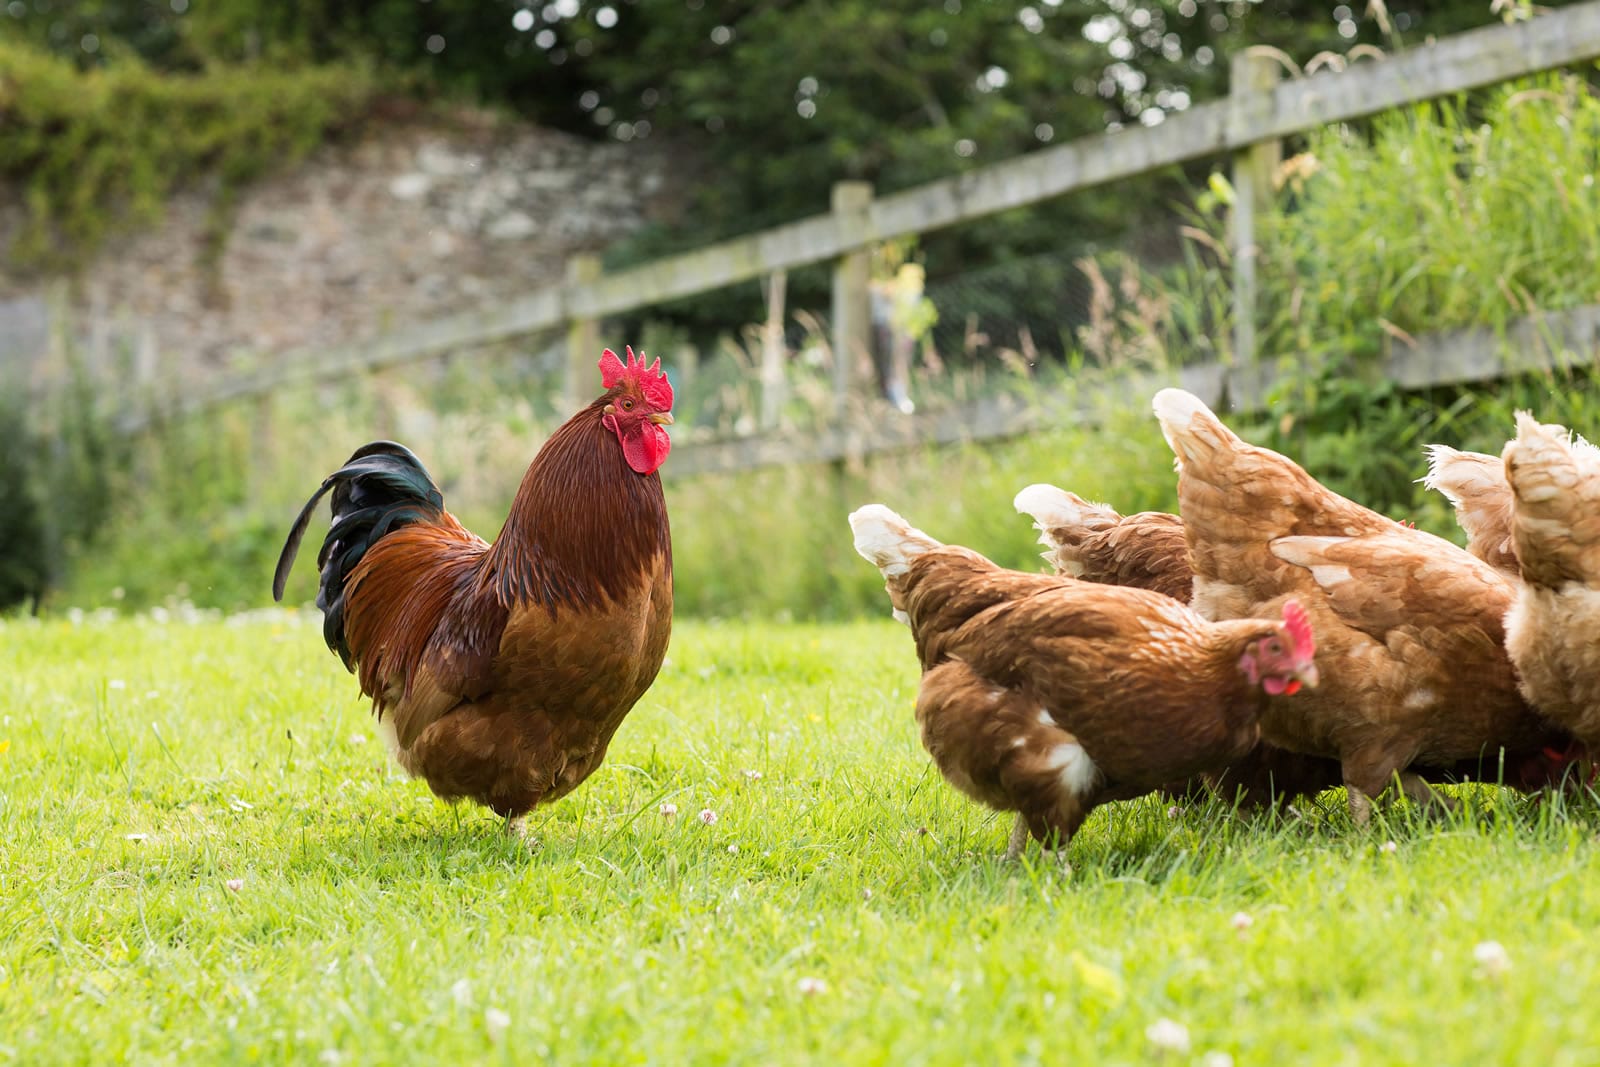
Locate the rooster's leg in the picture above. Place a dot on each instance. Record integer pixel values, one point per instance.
(1019, 839)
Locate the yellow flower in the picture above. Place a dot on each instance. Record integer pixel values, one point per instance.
(5, 746)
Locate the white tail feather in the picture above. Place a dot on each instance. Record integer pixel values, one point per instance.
(887, 541)
(1455, 473)
(1182, 416)
(1052, 507)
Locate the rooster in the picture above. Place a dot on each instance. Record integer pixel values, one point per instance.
(1555, 529)
(1410, 626)
(501, 671)
(1148, 550)
(1047, 696)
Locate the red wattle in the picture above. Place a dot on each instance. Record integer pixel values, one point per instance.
(645, 447)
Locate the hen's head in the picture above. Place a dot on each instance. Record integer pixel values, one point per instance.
(1282, 661)
(638, 404)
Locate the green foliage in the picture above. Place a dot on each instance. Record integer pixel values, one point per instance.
(462, 47)
(24, 546)
(55, 484)
(100, 149)
(210, 858)
(1445, 215)
(777, 100)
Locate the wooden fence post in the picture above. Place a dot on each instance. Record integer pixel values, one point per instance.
(583, 342)
(852, 298)
(773, 393)
(1251, 78)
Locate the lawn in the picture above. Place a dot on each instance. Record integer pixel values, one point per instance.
(208, 858)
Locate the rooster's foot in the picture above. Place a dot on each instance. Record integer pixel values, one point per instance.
(517, 827)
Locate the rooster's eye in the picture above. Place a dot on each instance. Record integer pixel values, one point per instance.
(627, 405)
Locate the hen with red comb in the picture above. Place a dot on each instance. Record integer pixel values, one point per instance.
(1410, 629)
(1047, 696)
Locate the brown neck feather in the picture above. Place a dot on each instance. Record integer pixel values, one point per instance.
(584, 526)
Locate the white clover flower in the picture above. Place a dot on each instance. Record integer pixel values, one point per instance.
(1493, 959)
(1168, 1035)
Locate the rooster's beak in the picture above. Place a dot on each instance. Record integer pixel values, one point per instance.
(1308, 676)
(660, 418)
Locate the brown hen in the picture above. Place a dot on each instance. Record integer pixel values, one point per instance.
(1148, 550)
(1048, 696)
(1409, 627)
(1555, 528)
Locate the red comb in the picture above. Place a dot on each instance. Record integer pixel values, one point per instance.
(652, 381)
(1298, 625)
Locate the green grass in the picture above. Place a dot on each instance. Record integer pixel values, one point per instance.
(147, 764)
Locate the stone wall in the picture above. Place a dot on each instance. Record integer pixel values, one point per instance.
(409, 220)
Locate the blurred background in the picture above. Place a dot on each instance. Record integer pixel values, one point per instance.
(242, 237)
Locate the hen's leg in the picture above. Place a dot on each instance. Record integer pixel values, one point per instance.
(1425, 795)
(1360, 806)
(1366, 775)
(1019, 839)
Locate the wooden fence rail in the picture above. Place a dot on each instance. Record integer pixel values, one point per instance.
(1551, 341)
(1247, 123)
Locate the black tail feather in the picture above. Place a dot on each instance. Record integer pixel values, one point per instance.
(381, 488)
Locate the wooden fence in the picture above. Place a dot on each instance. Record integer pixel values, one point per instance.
(1247, 124)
